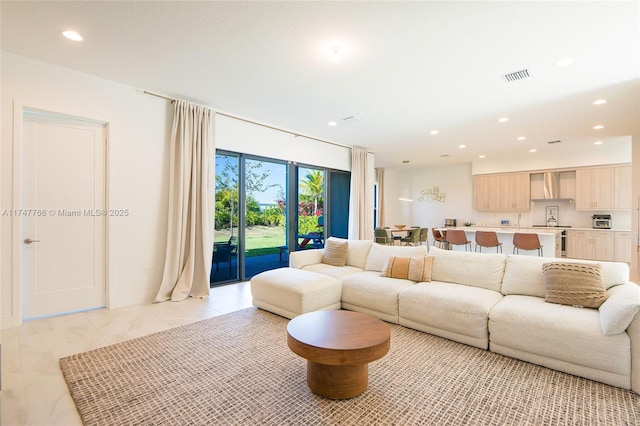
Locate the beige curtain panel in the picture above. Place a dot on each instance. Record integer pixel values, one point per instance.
(191, 196)
(361, 197)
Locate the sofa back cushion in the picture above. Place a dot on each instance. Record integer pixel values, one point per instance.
(523, 274)
(357, 250)
(379, 254)
(484, 270)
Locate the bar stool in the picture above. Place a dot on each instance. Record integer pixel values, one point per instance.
(487, 239)
(439, 239)
(526, 242)
(457, 237)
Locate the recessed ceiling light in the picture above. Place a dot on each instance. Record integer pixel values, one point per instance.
(332, 123)
(563, 62)
(434, 132)
(598, 143)
(336, 51)
(503, 119)
(600, 101)
(521, 138)
(533, 150)
(482, 156)
(462, 146)
(72, 35)
(598, 127)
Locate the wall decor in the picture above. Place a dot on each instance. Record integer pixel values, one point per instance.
(432, 194)
(552, 215)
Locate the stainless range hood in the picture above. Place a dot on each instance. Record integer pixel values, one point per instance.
(552, 188)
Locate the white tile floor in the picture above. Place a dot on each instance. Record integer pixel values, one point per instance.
(33, 390)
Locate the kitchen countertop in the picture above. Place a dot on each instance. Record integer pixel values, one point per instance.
(537, 229)
(510, 229)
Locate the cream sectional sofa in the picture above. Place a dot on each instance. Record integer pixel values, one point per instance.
(495, 302)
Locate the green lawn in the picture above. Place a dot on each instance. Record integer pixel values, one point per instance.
(259, 239)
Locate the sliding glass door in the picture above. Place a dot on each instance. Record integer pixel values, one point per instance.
(225, 266)
(256, 226)
(265, 227)
(311, 195)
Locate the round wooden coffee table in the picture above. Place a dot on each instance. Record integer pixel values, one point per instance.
(338, 345)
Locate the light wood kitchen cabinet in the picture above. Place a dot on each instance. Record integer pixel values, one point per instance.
(590, 245)
(622, 182)
(622, 246)
(502, 192)
(486, 193)
(515, 191)
(595, 188)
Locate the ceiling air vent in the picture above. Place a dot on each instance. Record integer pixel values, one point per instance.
(552, 142)
(517, 75)
(350, 119)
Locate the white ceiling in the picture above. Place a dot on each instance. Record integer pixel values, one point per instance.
(406, 68)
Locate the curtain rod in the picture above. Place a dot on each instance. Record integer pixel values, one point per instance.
(170, 99)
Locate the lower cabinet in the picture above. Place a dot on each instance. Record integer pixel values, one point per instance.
(622, 246)
(592, 245)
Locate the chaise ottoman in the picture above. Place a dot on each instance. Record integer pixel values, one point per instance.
(291, 292)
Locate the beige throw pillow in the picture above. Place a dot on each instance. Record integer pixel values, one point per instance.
(409, 268)
(575, 284)
(335, 252)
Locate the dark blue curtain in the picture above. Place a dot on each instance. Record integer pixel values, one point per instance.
(339, 187)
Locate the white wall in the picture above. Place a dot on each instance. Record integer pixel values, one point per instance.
(457, 183)
(138, 158)
(240, 136)
(138, 163)
(635, 204)
(615, 151)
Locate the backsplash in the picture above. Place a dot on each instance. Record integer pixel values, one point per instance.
(567, 216)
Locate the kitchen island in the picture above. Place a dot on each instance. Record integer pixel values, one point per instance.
(550, 238)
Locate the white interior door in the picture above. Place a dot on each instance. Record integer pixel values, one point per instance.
(63, 217)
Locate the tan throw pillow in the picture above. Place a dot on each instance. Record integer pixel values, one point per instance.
(575, 284)
(335, 252)
(409, 268)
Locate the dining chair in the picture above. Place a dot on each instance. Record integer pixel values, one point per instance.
(439, 239)
(525, 241)
(457, 237)
(413, 239)
(424, 236)
(487, 239)
(381, 236)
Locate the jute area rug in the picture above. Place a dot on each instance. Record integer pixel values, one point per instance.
(236, 369)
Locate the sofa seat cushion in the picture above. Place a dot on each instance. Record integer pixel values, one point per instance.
(290, 292)
(338, 272)
(372, 294)
(560, 332)
(482, 270)
(454, 311)
(523, 274)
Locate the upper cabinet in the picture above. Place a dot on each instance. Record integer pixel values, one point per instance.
(507, 192)
(603, 188)
(622, 182)
(486, 189)
(515, 192)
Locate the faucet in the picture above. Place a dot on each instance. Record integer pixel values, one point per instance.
(519, 216)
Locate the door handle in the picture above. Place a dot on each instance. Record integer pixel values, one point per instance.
(29, 241)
